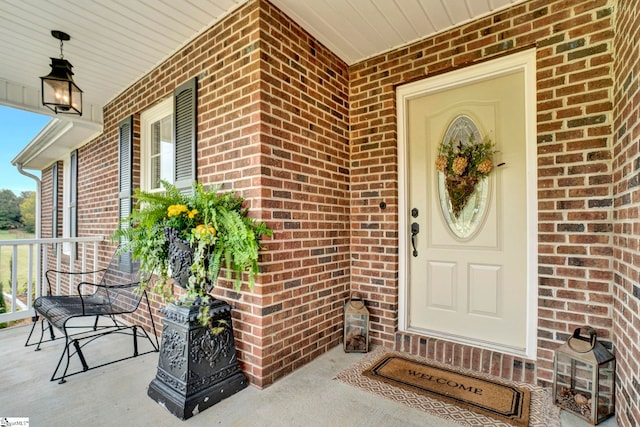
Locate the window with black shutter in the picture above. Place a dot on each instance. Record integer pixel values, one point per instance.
(125, 181)
(185, 134)
(169, 140)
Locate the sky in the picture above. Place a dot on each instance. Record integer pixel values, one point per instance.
(17, 129)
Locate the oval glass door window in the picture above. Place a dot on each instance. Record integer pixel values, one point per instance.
(466, 222)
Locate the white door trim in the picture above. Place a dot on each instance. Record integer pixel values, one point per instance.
(518, 62)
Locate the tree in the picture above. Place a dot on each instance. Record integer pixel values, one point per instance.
(28, 211)
(9, 210)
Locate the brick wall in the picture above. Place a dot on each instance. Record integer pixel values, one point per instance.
(298, 304)
(46, 203)
(573, 42)
(626, 163)
(272, 124)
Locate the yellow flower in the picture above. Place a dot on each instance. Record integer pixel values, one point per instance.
(459, 165)
(175, 210)
(441, 164)
(192, 213)
(203, 230)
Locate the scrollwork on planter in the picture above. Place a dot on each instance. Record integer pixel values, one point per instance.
(173, 346)
(211, 347)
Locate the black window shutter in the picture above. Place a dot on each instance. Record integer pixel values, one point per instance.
(73, 199)
(54, 200)
(185, 134)
(125, 181)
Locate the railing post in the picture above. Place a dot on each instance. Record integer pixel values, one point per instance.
(44, 256)
(14, 279)
(30, 276)
(58, 267)
(95, 261)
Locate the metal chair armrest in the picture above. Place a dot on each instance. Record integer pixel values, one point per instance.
(68, 273)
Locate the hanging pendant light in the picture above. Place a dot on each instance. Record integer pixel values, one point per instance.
(59, 92)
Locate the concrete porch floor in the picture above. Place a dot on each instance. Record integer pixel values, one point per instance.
(117, 395)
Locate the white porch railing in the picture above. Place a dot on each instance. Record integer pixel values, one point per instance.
(28, 260)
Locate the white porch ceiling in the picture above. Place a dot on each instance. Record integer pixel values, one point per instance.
(115, 42)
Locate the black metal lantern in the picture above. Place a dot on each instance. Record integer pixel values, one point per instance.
(584, 377)
(356, 326)
(59, 92)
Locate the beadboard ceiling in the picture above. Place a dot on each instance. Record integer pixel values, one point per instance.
(115, 42)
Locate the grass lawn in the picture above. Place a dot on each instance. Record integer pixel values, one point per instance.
(6, 254)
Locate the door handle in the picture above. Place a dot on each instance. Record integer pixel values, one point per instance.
(415, 229)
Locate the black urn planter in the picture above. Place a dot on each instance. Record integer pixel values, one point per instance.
(197, 368)
(180, 260)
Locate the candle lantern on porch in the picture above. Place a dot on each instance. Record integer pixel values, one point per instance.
(356, 326)
(584, 377)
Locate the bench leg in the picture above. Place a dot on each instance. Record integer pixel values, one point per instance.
(156, 346)
(135, 340)
(53, 337)
(36, 319)
(65, 352)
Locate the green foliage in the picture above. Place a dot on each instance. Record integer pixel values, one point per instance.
(17, 212)
(9, 210)
(3, 305)
(215, 224)
(28, 210)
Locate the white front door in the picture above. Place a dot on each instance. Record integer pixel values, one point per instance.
(470, 281)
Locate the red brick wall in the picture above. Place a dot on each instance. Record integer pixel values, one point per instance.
(272, 124)
(626, 162)
(574, 64)
(305, 186)
(46, 203)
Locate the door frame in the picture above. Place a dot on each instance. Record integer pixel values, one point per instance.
(524, 61)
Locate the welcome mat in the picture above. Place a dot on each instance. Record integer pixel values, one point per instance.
(374, 373)
(501, 401)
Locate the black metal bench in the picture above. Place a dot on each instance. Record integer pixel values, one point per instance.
(79, 316)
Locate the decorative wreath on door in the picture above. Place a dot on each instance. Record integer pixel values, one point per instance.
(464, 163)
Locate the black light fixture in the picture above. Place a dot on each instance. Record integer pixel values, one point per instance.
(59, 92)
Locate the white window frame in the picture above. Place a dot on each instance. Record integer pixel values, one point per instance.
(152, 115)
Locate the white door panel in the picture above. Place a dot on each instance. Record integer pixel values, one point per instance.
(474, 288)
(442, 296)
(484, 290)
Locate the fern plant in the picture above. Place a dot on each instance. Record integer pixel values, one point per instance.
(214, 224)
